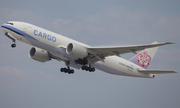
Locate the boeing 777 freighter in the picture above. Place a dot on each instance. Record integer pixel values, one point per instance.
(49, 45)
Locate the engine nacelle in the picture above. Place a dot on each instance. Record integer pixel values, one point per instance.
(76, 50)
(39, 54)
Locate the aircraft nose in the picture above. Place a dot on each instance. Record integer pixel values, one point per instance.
(6, 25)
(3, 26)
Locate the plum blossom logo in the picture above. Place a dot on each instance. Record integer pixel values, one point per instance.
(143, 58)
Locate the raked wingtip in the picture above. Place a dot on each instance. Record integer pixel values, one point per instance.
(170, 43)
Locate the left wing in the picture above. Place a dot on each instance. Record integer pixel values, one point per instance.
(99, 53)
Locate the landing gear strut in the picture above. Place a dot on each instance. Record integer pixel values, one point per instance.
(67, 70)
(14, 44)
(9, 36)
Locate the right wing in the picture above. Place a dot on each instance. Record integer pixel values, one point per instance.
(99, 53)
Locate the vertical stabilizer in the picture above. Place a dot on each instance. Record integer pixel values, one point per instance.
(144, 58)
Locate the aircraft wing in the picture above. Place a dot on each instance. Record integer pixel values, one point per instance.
(99, 53)
(155, 71)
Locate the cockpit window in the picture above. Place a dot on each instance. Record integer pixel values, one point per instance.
(9, 23)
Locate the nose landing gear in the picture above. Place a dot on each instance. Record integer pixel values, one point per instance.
(14, 40)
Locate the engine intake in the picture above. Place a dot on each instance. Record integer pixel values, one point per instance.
(39, 54)
(76, 50)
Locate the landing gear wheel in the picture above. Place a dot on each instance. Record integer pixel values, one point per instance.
(62, 69)
(83, 67)
(66, 70)
(93, 69)
(72, 71)
(13, 45)
(87, 68)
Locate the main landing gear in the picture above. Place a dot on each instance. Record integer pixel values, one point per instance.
(71, 71)
(84, 62)
(67, 70)
(90, 69)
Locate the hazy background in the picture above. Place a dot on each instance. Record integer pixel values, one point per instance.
(25, 83)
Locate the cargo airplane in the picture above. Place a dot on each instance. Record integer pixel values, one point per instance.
(48, 45)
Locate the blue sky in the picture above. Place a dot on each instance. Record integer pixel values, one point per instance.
(25, 83)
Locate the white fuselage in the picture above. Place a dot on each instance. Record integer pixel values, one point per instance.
(56, 44)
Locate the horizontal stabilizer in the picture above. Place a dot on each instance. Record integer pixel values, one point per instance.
(156, 71)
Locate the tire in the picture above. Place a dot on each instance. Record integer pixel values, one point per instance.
(93, 69)
(13, 45)
(86, 68)
(62, 70)
(72, 71)
(65, 70)
(83, 68)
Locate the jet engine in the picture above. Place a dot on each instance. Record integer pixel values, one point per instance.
(39, 54)
(76, 50)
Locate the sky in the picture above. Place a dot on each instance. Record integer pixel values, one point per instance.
(26, 83)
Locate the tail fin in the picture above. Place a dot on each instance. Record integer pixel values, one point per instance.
(144, 57)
